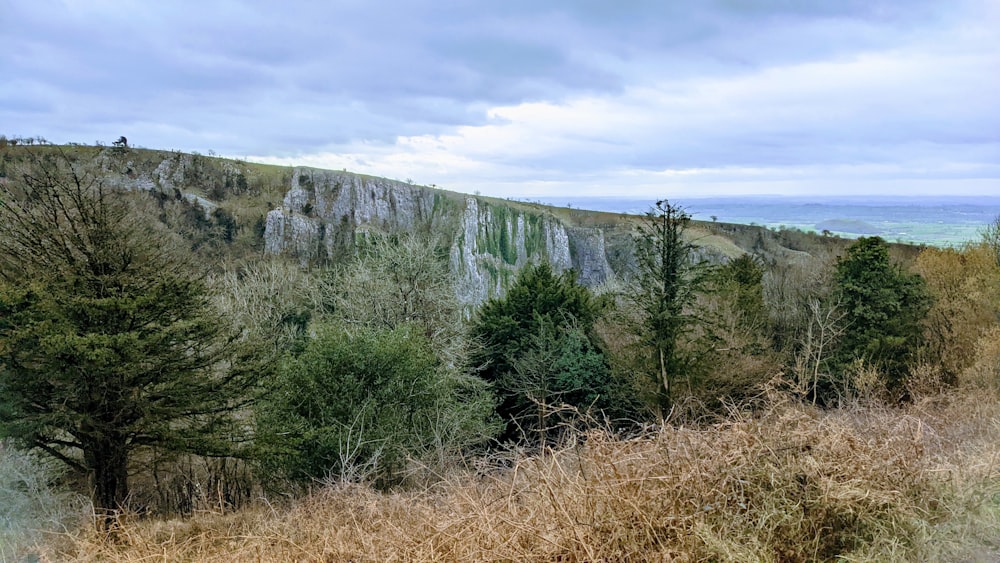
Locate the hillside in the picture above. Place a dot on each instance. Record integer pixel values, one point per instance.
(317, 216)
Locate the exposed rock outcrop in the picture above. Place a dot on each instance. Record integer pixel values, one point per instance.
(323, 211)
(318, 216)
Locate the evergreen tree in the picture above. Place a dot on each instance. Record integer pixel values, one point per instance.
(743, 278)
(107, 343)
(538, 350)
(667, 283)
(883, 307)
(740, 359)
(358, 401)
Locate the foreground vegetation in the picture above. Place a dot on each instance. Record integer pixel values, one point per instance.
(791, 483)
(839, 404)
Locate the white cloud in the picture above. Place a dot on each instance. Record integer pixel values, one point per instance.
(900, 118)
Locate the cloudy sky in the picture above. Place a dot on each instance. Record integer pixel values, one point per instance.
(531, 98)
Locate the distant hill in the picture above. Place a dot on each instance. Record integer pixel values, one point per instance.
(937, 221)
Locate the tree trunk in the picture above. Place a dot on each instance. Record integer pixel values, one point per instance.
(107, 457)
(665, 381)
(541, 425)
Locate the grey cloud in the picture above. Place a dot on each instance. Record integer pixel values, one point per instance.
(298, 77)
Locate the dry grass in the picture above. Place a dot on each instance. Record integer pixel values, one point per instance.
(792, 484)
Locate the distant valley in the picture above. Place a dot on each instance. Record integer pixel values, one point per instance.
(936, 221)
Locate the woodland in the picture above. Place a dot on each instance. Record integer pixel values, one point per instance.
(170, 390)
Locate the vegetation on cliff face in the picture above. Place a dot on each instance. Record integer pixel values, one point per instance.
(823, 409)
(231, 210)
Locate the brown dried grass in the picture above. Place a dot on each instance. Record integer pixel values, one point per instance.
(791, 484)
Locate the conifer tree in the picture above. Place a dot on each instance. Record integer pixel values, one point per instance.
(539, 351)
(667, 282)
(883, 306)
(108, 342)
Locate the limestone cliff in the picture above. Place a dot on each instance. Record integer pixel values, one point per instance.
(324, 211)
(317, 216)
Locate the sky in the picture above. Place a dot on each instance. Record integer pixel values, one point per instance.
(518, 98)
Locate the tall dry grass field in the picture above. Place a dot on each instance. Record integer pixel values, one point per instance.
(790, 484)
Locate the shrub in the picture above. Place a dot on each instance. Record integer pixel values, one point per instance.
(795, 484)
(984, 369)
(31, 504)
(356, 404)
(966, 288)
(399, 280)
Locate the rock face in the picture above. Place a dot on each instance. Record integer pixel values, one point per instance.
(591, 257)
(324, 212)
(323, 215)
